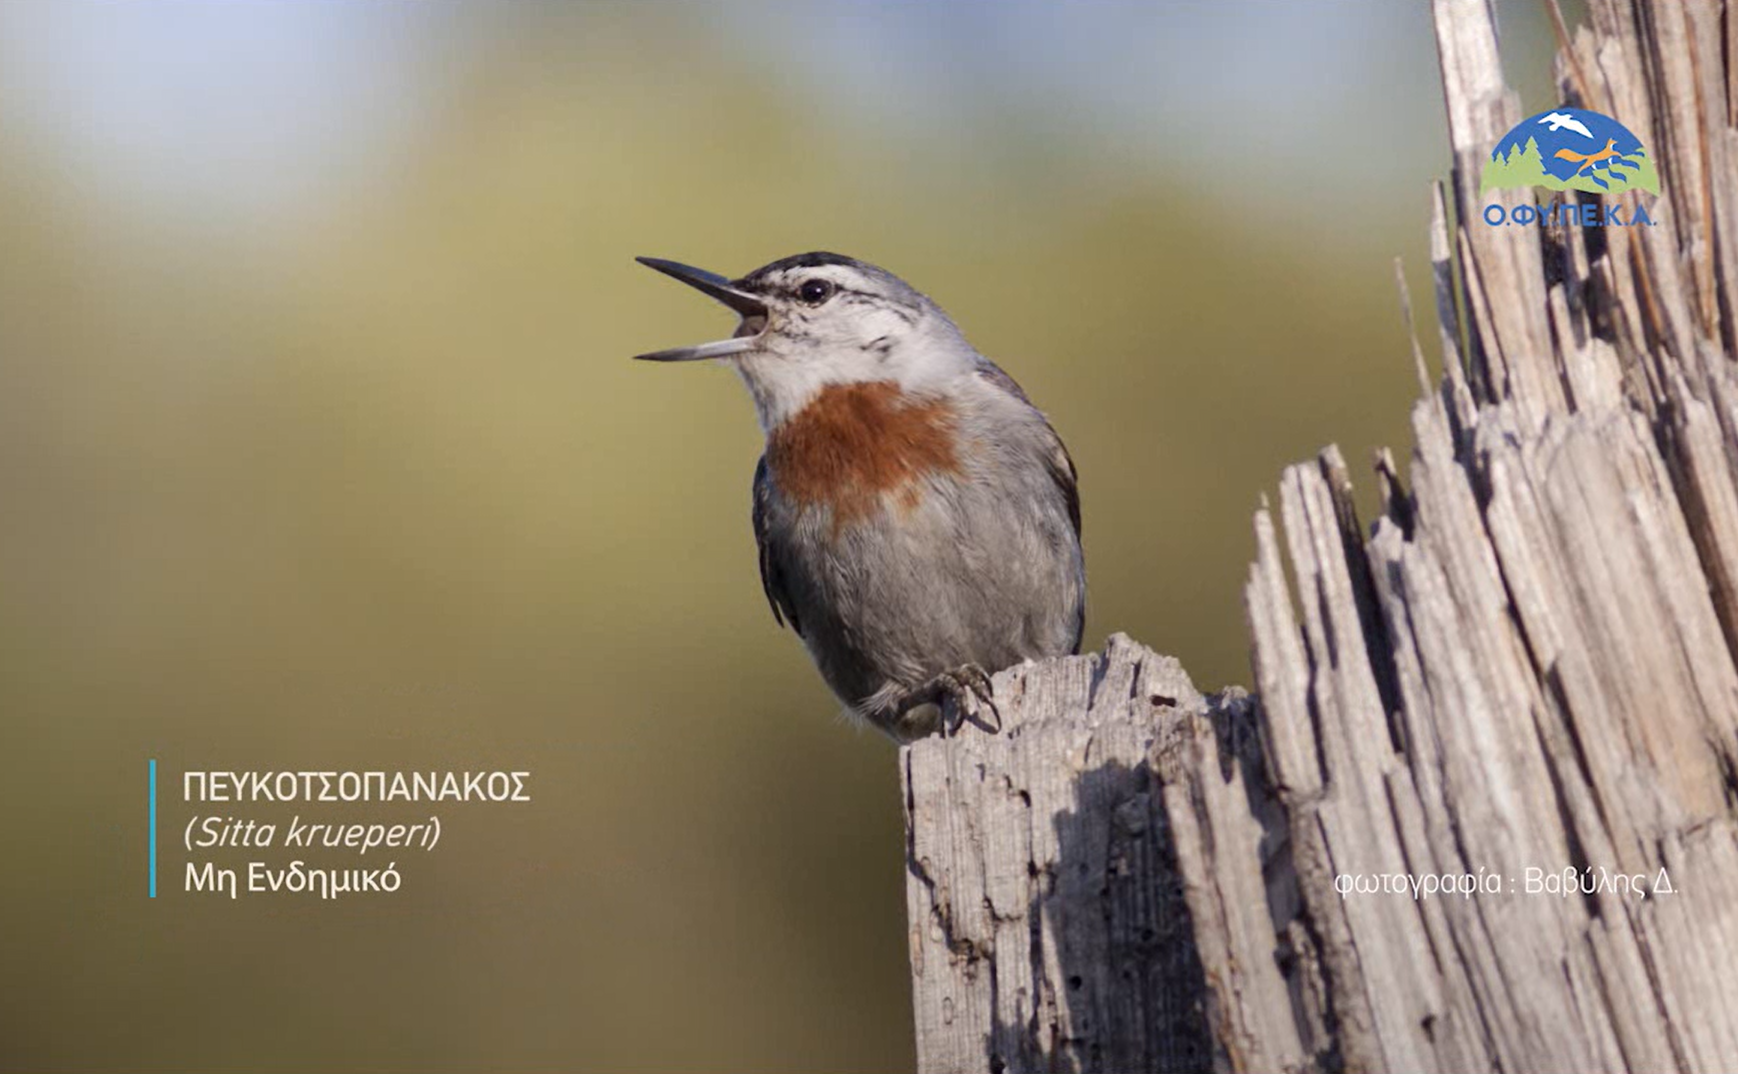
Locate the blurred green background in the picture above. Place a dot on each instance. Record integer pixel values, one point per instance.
(320, 448)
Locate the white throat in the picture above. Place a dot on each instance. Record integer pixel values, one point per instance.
(782, 385)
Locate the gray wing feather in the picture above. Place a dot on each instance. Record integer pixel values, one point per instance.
(1059, 463)
(771, 580)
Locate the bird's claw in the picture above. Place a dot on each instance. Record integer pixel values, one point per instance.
(970, 690)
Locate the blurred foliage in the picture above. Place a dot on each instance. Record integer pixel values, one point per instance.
(376, 487)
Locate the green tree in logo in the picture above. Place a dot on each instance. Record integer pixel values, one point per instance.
(1601, 171)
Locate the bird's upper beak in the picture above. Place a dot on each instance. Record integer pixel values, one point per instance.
(753, 312)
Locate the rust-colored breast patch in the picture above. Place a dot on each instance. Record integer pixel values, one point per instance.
(855, 442)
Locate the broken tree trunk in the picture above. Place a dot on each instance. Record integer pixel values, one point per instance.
(1482, 813)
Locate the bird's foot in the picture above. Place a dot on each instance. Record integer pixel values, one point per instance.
(968, 689)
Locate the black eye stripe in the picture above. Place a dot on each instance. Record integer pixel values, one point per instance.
(838, 292)
(841, 292)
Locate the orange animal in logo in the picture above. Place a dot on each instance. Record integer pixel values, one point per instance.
(1588, 160)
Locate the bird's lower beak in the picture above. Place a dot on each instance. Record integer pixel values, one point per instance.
(752, 309)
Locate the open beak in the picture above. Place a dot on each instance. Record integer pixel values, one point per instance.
(752, 309)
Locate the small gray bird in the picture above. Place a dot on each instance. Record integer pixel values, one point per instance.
(917, 516)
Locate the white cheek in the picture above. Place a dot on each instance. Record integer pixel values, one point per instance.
(885, 324)
(927, 356)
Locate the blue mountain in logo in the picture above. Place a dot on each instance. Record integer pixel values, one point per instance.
(1571, 149)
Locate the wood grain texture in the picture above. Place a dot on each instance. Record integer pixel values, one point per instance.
(1519, 678)
(1047, 918)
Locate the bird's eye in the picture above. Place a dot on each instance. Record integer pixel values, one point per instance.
(815, 292)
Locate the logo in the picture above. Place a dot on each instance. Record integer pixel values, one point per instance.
(1571, 149)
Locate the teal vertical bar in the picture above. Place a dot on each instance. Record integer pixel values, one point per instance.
(153, 800)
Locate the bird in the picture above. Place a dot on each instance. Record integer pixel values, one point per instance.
(1559, 120)
(917, 517)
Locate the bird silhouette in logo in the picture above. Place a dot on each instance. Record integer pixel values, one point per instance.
(1559, 120)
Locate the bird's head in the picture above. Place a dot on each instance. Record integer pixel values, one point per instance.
(820, 319)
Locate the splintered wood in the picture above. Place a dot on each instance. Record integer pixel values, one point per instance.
(1048, 922)
(1482, 812)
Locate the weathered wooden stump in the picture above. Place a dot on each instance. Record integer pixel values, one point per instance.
(1046, 901)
